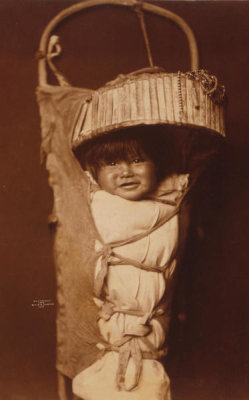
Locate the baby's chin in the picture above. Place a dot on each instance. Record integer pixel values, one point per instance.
(132, 195)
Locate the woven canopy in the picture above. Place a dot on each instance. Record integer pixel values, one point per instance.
(152, 98)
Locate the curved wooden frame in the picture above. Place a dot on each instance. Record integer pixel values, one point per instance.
(42, 72)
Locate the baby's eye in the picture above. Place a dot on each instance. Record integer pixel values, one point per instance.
(137, 160)
(112, 163)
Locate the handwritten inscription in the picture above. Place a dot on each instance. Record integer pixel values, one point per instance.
(42, 303)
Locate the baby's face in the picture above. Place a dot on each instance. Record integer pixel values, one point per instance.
(131, 179)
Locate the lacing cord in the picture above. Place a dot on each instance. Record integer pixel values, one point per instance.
(128, 346)
(109, 257)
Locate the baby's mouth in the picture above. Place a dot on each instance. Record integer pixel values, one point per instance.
(129, 185)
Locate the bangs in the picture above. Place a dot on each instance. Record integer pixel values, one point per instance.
(115, 151)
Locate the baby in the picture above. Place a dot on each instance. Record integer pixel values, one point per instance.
(134, 200)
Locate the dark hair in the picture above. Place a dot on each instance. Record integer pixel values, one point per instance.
(152, 141)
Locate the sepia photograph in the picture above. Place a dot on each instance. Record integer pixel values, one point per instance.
(124, 193)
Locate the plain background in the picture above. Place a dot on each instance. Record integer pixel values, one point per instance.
(211, 358)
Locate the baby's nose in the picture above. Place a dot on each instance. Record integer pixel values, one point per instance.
(125, 169)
